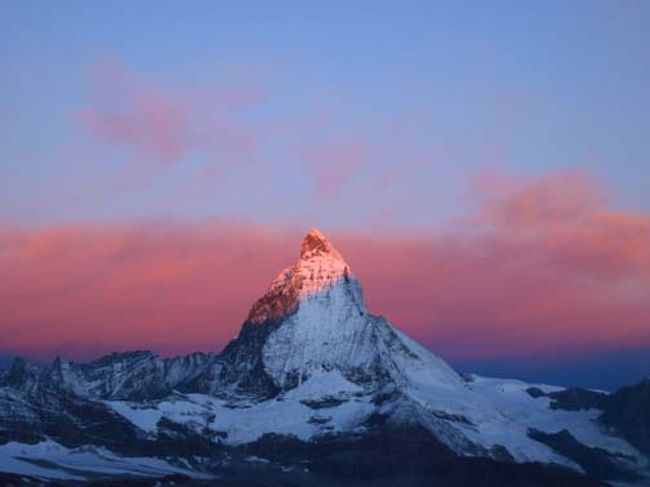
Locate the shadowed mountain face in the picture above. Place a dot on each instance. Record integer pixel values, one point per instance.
(628, 412)
(5, 361)
(314, 389)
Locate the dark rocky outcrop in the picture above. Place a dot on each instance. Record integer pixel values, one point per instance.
(627, 411)
(572, 399)
(596, 462)
(409, 457)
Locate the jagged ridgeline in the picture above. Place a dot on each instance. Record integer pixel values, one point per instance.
(314, 389)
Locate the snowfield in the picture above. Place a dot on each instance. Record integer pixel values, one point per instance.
(498, 411)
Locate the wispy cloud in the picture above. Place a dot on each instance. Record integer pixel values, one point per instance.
(335, 164)
(164, 126)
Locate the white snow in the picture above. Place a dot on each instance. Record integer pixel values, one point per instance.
(176, 408)
(144, 416)
(247, 422)
(328, 383)
(509, 396)
(79, 463)
(500, 412)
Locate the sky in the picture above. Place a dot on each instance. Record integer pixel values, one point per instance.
(482, 165)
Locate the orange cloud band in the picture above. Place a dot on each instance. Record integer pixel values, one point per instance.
(543, 267)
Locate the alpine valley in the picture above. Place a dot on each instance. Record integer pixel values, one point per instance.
(314, 391)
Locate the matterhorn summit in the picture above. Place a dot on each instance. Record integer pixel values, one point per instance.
(320, 268)
(316, 244)
(314, 319)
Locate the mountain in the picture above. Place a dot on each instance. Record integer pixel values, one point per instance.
(628, 412)
(314, 389)
(314, 320)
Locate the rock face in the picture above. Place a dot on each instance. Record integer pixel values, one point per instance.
(319, 268)
(134, 375)
(313, 372)
(628, 412)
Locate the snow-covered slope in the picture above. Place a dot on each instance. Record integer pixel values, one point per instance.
(310, 363)
(50, 460)
(487, 417)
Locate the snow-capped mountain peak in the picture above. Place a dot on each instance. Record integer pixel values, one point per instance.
(320, 267)
(314, 318)
(316, 243)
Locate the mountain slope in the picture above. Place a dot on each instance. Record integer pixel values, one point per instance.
(628, 411)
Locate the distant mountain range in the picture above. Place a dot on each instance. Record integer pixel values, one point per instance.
(315, 390)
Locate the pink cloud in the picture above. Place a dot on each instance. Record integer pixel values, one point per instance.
(335, 164)
(164, 126)
(544, 267)
(100, 287)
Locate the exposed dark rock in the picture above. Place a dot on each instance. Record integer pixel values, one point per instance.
(628, 412)
(405, 457)
(327, 402)
(596, 462)
(456, 418)
(385, 396)
(535, 392)
(320, 419)
(572, 399)
(14, 480)
(576, 398)
(243, 356)
(69, 420)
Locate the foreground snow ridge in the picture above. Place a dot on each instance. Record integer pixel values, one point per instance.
(50, 460)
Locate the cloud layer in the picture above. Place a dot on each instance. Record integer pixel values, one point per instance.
(164, 126)
(543, 268)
